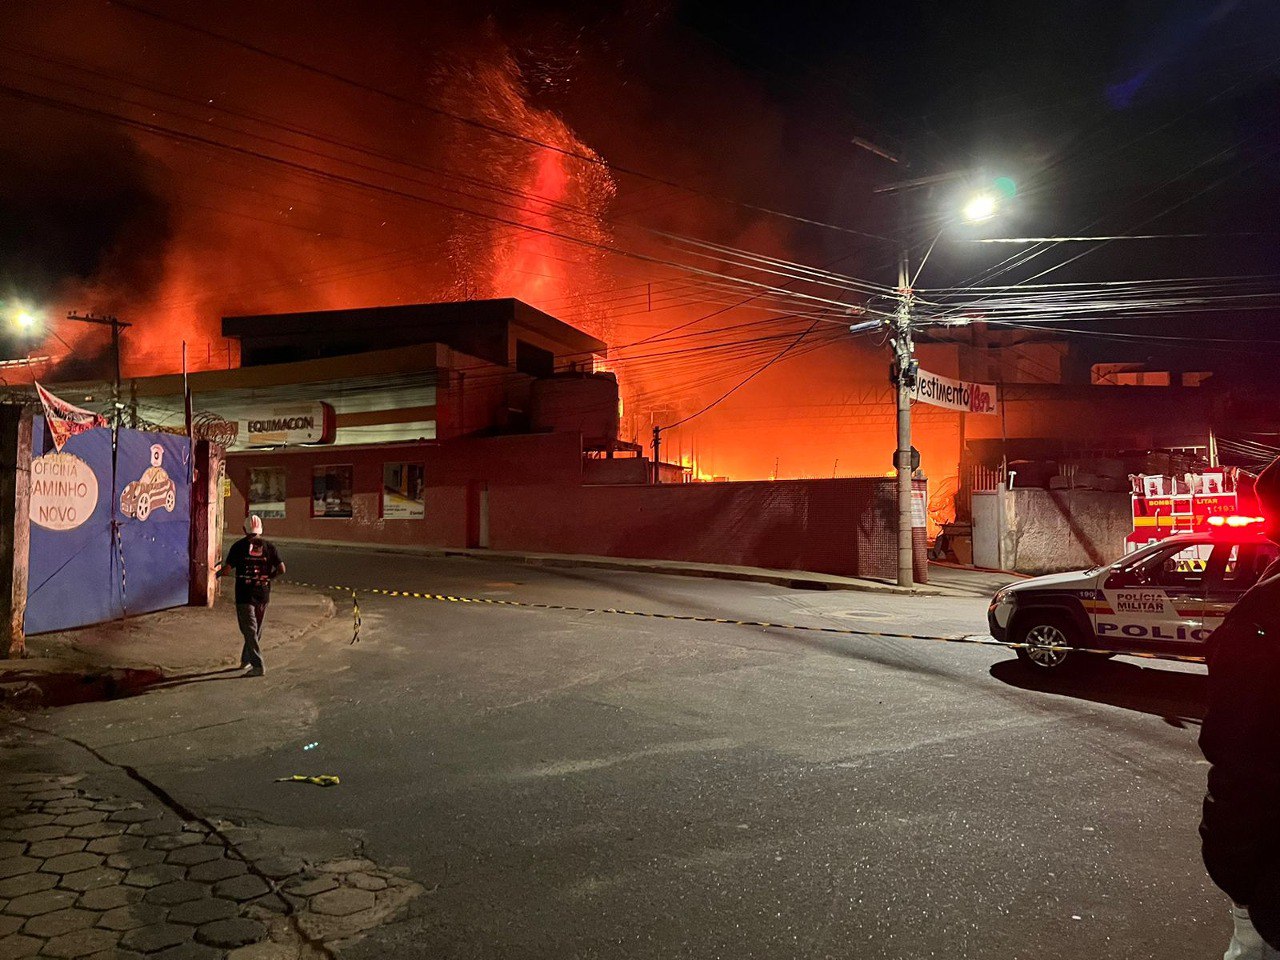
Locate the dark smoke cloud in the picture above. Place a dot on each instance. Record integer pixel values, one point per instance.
(76, 206)
(184, 234)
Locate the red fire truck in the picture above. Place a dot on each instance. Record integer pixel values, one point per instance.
(1168, 505)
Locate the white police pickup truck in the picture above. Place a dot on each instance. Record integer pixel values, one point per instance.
(1166, 597)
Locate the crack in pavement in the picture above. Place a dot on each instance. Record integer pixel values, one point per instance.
(190, 816)
(84, 864)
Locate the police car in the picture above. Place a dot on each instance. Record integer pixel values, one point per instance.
(1166, 597)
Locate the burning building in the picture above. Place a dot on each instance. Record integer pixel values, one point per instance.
(485, 425)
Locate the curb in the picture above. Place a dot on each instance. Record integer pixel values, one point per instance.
(970, 568)
(58, 681)
(796, 579)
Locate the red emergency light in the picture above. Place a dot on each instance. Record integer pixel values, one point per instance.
(1235, 521)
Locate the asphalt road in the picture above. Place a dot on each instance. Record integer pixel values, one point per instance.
(579, 784)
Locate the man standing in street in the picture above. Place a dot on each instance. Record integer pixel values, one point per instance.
(255, 563)
(1240, 831)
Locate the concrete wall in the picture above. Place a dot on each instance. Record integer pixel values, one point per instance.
(538, 503)
(1046, 531)
(985, 511)
(449, 467)
(1140, 418)
(617, 470)
(207, 521)
(845, 527)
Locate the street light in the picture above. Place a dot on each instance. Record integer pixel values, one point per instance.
(28, 320)
(21, 316)
(978, 207)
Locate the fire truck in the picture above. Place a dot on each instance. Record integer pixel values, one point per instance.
(1198, 544)
(1164, 506)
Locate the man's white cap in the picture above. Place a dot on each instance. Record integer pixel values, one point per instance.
(253, 525)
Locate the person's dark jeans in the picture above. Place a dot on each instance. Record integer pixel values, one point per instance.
(250, 616)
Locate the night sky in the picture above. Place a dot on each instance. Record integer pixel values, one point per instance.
(1113, 118)
(1151, 117)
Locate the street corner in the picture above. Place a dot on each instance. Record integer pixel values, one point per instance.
(86, 869)
(125, 658)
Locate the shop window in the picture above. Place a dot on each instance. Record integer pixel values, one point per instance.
(402, 491)
(331, 491)
(266, 492)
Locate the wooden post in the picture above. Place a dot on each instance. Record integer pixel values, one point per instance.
(206, 521)
(15, 530)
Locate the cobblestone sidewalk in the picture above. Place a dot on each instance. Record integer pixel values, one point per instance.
(95, 868)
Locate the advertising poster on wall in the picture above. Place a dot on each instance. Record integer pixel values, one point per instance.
(919, 508)
(403, 486)
(152, 503)
(331, 491)
(266, 492)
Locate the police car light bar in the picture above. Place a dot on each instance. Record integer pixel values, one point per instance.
(1234, 521)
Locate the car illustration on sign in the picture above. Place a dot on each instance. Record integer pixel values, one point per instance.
(152, 490)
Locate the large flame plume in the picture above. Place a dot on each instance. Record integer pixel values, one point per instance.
(259, 187)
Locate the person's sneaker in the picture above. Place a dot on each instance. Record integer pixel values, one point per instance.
(255, 672)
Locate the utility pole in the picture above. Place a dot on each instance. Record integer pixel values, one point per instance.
(657, 454)
(903, 370)
(903, 374)
(116, 327)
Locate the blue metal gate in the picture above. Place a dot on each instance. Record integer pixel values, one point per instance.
(107, 539)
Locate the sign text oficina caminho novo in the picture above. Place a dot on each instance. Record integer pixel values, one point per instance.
(64, 491)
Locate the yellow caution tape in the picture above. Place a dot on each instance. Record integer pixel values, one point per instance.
(324, 780)
(356, 618)
(986, 641)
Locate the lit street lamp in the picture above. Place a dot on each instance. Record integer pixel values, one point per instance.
(978, 207)
(981, 206)
(27, 320)
(21, 316)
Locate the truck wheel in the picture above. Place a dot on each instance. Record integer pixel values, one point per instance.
(1043, 631)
